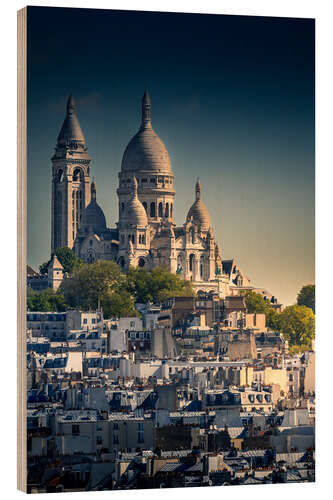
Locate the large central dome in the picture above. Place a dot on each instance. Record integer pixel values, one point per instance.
(146, 151)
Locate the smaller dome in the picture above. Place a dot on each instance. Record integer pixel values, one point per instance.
(198, 211)
(93, 216)
(135, 213)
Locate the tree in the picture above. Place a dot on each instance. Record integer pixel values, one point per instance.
(67, 259)
(118, 304)
(46, 300)
(157, 285)
(306, 297)
(89, 283)
(273, 319)
(298, 325)
(256, 303)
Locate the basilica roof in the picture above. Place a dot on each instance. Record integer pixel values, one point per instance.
(93, 216)
(198, 211)
(146, 150)
(135, 213)
(71, 130)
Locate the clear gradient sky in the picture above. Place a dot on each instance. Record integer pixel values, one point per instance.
(232, 99)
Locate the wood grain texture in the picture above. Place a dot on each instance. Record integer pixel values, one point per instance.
(21, 247)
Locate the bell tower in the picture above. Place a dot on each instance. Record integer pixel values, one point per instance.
(70, 181)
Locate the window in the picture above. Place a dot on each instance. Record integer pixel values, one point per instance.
(85, 321)
(115, 439)
(152, 209)
(75, 430)
(160, 209)
(191, 261)
(167, 210)
(99, 440)
(60, 175)
(141, 438)
(145, 206)
(115, 426)
(77, 175)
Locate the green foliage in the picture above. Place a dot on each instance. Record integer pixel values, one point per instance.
(298, 325)
(90, 283)
(46, 300)
(102, 283)
(306, 297)
(255, 303)
(118, 304)
(67, 259)
(273, 319)
(157, 285)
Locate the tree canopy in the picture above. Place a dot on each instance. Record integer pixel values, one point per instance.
(255, 303)
(102, 283)
(307, 297)
(67, 259)
(46, 300)
(298, 325)
(157, 285)
(296, 322)
(89, 284)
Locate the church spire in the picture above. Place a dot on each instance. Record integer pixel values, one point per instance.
(134, 188)
(71, 108)
(71, 131)
(146, 107)
(198, 190)
(93, 190)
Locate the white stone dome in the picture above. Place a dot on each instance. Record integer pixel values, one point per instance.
(135, 212)
(146, 151)
(93, 216)
(198, 211)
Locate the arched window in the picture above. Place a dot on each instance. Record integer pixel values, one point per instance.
(129, 237)
(202, 259)
(192, 235)
(133, 239)
(167, 210)
(152, 209)
(141, 262)
(191, 261)
(143, 240)
(77, 175)
(91, 257)
(171, 210)
(60, 175)
(140, 238)
(160, 209)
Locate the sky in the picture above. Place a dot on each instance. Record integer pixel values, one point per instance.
(232, 100)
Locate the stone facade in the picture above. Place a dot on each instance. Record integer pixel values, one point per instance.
(146, 234)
